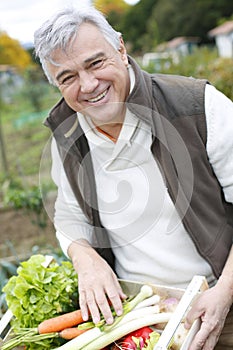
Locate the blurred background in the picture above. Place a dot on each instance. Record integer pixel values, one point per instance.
(187, 37)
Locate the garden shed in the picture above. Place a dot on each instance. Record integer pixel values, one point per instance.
(223, 35)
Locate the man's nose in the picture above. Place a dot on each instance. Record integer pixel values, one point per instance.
(88, 82)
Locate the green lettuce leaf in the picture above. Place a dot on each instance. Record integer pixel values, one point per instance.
(38, 293)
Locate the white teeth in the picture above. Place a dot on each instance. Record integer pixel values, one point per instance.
(97, 98)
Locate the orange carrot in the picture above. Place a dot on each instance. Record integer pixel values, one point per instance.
(58, 323)
(70, 333)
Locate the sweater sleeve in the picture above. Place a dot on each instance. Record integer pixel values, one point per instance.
(69, 221)
(219, 116)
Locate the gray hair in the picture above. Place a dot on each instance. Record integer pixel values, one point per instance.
(58, 31)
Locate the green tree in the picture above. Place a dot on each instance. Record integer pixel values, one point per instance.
(137, 26)
(113, 10)
(154, 21)
(189, 17)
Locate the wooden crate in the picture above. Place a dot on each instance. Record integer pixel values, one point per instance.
(186, 297)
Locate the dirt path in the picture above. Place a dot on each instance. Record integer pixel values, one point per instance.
(18, 234)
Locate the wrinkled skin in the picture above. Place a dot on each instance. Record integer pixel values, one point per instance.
(96, 282)
(212, 307)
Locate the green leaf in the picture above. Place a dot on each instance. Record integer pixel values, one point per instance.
(38, 293)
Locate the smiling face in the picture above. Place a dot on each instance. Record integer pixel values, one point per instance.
(92, 76)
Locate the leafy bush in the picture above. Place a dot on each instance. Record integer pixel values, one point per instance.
(220, 74)
(204, 63)
(30, 200)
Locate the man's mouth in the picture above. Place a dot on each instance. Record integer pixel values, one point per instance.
(99, 97)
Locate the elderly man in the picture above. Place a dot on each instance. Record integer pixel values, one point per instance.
(144, 170)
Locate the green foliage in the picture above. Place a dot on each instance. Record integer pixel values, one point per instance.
(204, 63)
(35, 88)
(161, 20)
(38, 293)
(220, 74)
(137, 24)
(186, 18)
(149, 39)
(193, 64)
(29, 199)
(24, 135)
(7, 270)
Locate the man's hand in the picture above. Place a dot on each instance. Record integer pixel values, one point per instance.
(97, 283)
(212, 306)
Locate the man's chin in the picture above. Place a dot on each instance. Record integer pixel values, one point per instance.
(105, 113)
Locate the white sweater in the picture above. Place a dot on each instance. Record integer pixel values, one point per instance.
(147, 236)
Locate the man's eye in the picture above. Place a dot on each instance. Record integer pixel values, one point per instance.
(67, 80)
(97, 63)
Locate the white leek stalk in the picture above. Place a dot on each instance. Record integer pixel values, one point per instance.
(123, 329)
(95, 333)
(153, 300)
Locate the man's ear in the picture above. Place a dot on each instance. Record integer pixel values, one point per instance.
(123, 52)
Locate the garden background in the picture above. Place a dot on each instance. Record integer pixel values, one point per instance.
(26, 191)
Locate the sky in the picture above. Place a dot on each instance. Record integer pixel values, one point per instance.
(20, 18)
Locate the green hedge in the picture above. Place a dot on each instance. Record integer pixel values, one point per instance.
(204, 63)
